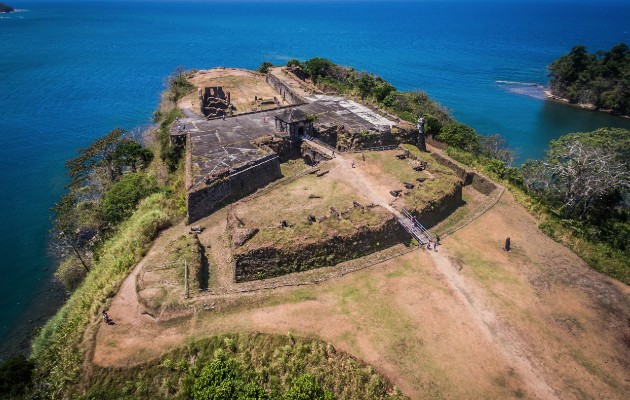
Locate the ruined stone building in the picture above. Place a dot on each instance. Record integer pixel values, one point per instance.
(229, 157)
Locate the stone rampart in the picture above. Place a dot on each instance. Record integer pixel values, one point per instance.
(479, 182)
(284, 90)
(238, 184)
(438, 210)
(267, 262)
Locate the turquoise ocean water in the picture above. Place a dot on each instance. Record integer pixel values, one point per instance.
(72, 71)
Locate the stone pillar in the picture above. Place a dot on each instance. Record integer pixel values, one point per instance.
(422, 143)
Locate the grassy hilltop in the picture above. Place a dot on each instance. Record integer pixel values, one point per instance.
(453, 323)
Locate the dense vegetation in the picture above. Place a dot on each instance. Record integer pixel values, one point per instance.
(117, 200)
(585, 182)
(4, 8)
(350, 82)
(254, 366)
(601, 79)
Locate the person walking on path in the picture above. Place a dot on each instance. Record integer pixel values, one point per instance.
(508, 245)
(106, 318)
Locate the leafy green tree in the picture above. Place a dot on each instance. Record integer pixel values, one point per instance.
(306, 387)
(178, 83)
(130, 154)
(120, 201)
(70, 273)
(225, 378)
(16, 374)
(460, 136)
(294, 62)
(432, 125)
(318, 68)
(365, 85)
(264, 67)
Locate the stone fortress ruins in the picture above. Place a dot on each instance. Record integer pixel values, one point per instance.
(241, 127)
(231, 153)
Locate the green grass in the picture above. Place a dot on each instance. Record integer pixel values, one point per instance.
(441, 180)
(271, 361)
(293, 167)
(56, 349)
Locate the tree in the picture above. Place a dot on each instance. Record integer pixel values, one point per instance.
(16, 375)
(306, 387)
(294, 62)
(495, 146)
(581, 170)
(264, 67)
(129, 154)
(70, 273)
(365, 84)
(318, 68)
(120, 201)
(225, 378)
(460, 136)
(178, 83)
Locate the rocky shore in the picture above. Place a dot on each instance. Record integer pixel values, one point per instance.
(584, 106)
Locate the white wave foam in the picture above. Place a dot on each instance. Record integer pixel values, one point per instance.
(519, 83)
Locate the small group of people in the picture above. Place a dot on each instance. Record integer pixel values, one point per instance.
(436, 242)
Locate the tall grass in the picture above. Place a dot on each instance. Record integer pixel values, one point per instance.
(57, 349)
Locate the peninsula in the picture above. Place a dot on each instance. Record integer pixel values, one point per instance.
(309, 231)
(5, 8)
(598, 82)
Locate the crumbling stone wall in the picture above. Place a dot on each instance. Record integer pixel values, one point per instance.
(239, 183)
(480, 183)
(312, 155)
(214, 102)
(364, 140)
(281, 145)
(284, 90)
(268, 262)
(438, 210)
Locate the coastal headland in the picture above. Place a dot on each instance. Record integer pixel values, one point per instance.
(4, 8)
(327, 238)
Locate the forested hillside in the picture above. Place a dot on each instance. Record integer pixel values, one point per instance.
(601, 79)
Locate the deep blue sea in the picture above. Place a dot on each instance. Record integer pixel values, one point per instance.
(72, 71)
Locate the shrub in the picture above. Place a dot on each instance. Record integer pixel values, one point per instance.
(15, 376)
(461, 136)
(70, 273)
(306, 387)
(120, 201)
(264, 67)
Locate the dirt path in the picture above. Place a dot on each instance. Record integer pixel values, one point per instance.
(494, 330)
(470, 321)
(485, 318)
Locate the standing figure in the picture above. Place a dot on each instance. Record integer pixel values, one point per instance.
(507, 244)
(422, 143)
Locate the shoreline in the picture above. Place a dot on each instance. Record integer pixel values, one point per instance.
(582, 106)
(45, 303)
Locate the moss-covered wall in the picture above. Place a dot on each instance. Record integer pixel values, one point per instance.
(268, 262)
